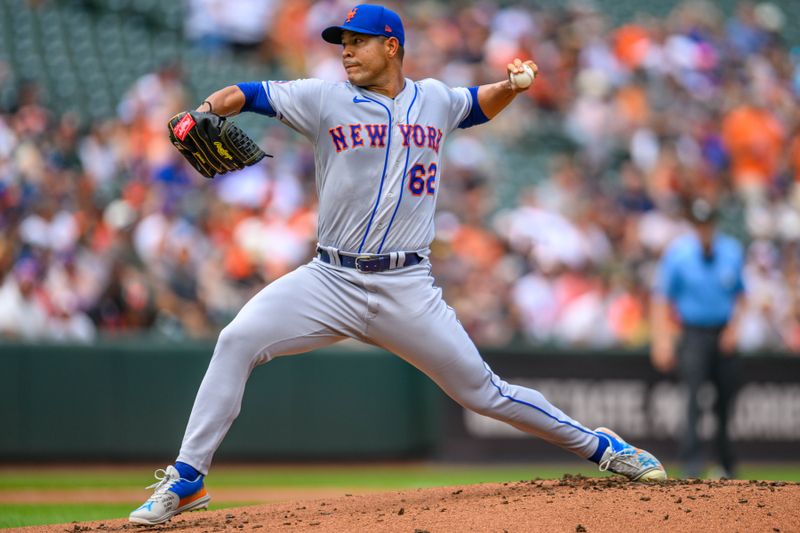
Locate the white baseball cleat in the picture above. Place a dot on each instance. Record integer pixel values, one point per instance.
(172, 495)
(633, 463)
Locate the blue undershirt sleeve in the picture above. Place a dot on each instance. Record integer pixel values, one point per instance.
(255, 98)
(476, 115)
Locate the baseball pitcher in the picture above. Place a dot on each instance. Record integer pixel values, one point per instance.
(378, 141)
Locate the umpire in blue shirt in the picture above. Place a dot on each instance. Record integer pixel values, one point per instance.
(699, 282)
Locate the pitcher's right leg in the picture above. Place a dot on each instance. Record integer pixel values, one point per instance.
(289, 316)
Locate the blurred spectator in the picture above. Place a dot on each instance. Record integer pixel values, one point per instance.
(29, 312)
(768, 304)
(755, 140)
(23, 312)
(215, 24)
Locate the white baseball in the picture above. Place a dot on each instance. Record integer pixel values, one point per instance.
(524, 79)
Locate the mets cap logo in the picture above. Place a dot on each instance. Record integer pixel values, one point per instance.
(350, 15)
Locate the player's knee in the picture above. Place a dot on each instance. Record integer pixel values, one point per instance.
(482, 409)
(473, 401)
(490, 397)
(233, 339)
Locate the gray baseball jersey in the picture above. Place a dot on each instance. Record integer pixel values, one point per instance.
(378, 159)
(378, 166)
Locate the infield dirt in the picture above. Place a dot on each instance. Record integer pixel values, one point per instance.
(574, 503)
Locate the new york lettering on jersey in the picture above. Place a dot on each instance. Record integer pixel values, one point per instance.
(374, 136)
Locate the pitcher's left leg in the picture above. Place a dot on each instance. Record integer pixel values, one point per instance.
(414, 322)
(430, 337)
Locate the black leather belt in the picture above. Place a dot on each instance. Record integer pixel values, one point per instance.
(370, 262)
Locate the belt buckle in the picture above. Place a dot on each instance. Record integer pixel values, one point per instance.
(366, 257)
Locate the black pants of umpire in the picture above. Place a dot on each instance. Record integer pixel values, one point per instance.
(701, 360)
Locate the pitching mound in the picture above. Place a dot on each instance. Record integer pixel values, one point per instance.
(574, 503)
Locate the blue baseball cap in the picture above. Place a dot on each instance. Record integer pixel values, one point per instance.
(370, 20)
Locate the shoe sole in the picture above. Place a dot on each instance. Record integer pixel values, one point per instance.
(196, 505)
(653, 475)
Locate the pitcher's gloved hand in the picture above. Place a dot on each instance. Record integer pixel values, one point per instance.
(212, 144)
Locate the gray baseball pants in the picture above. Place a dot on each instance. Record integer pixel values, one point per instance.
(401, 311)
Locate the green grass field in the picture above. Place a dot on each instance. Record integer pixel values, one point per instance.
(46, 482)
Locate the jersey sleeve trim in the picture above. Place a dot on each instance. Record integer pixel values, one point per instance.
(256, 98)
(476, 115)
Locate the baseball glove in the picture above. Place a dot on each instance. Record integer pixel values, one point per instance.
(212, 144)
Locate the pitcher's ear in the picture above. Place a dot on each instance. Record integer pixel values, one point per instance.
(392, 46)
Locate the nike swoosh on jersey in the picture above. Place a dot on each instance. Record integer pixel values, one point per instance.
(357, 100)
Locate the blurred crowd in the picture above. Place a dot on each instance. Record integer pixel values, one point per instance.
(105, 230)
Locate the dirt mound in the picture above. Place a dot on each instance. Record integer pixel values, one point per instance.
(574, 503)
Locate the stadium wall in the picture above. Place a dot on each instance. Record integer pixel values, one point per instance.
(129, 400)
